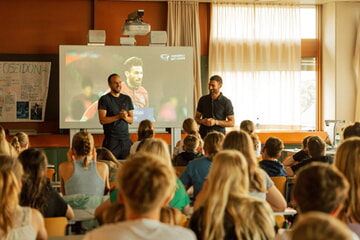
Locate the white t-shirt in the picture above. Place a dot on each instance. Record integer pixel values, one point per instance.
(141, 229)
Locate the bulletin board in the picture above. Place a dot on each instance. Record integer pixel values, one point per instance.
(23, 91)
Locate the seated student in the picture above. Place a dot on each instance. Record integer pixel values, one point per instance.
(271, 151)
(227, 212)
(317, 153)
(319, 226)
(191, 150)
(249, 127)
(145, 130)
(299, 156)
(20, 141)
(180, 198)
(196, 171)
(170, 215)
(189, 126)
(261, 186)
(16, 222)
(37, 191)
(352, 130)
(347, 160)
(146, 184)
(81, 174)
(320, 187)
(106, 156)
(5, 146)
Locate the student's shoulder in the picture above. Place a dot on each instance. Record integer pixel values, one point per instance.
(173, 232)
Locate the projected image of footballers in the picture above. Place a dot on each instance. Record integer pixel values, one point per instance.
(132, 86)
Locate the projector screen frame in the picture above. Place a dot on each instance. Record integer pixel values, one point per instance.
(179, 81)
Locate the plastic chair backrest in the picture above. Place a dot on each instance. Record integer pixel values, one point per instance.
(179, 170)
(50, 173)
(56, 226)
(280, 183)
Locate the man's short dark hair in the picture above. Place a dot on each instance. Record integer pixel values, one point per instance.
(112, 75)
(352, 130)
(320, 187)
(216, 78)
(132, 61)
(273, 147)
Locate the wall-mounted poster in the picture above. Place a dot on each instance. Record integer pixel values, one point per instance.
(23, 91)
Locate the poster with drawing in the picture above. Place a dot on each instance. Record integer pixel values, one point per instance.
(23, 91)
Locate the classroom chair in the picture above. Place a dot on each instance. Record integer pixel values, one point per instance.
(56, 226)
(179, 170)
(280, 183)
(50, 173)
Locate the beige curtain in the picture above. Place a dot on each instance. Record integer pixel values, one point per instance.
(357, 72)
(184, 30)
(256, 48)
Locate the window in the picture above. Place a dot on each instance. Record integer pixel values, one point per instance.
(275, 96)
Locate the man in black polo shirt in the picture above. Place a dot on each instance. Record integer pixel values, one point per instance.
(214, 111)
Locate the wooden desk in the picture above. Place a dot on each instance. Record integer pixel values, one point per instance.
(83, 215)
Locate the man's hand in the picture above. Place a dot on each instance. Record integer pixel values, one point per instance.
(208, 122)
(124, 114)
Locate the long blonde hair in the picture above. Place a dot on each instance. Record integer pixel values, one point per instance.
(83, 144)
(227, 193)
(347, 160)
(5, 146)
(158, 147)
(241, 141)
(20, 141)
(10, 177)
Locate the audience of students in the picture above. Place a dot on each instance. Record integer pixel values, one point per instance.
(146, 184)
(195, 173)
(189, 126)
(36, 191)
(228, 183)
(261, 186)
(320, 187)
(145, 130)
(300, 155)
(270, 153)
(227, 212)
(347, 160)
(106, 156)
(16, 222)
(249, 127)
(191, 147)
(319, 226)
(20, 141)
(317, 153)
(82, 174)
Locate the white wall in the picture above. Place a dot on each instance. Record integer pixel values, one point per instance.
(339, 34)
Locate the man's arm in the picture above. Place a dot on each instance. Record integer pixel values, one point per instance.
(106, 120)
(128, 116)
(229, 122)
(198, 118)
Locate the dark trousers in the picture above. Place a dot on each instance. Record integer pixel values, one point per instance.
(119, 147)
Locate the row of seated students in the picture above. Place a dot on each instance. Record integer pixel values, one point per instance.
(235, 140)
